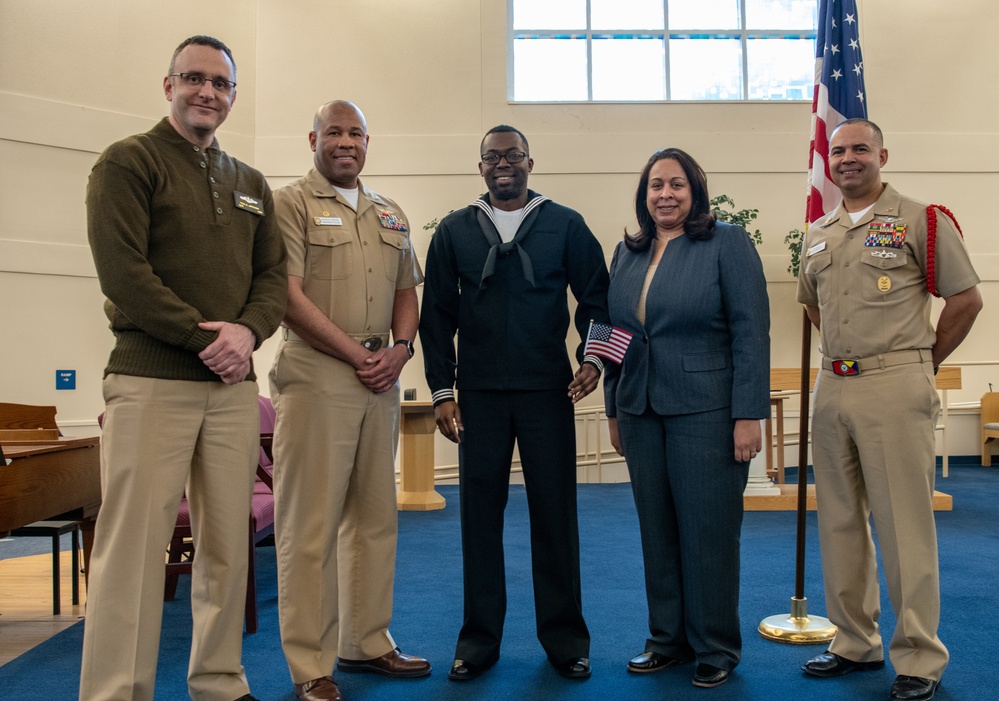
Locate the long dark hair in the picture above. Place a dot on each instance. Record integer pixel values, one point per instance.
(699, 223)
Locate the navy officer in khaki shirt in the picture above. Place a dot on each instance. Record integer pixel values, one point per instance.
(352, 279)
(868, 270)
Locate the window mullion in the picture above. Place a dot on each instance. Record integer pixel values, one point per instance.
(589, 53)
(745, 50)
(669, 88)
(511, 88)
(777, 70)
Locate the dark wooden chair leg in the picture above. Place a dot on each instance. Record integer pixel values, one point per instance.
(251, 587)
(76, 564)
(176, 552)
(56, 608)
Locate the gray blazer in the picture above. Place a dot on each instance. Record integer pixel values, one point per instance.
(705, 344)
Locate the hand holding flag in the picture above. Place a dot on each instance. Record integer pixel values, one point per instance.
(607, 341)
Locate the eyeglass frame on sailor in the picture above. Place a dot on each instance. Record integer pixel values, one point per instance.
(512, 157)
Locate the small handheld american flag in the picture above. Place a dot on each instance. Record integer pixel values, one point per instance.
(607, 341)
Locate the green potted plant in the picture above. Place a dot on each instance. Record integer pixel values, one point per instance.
(740, 217)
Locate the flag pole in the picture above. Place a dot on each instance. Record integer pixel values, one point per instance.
(797, 627)
(839, 95)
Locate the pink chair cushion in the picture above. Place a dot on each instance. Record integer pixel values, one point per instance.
(261, 506)
(260, 487)
(266, 424)
(184, 513)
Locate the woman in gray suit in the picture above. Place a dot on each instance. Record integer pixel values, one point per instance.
(684, 409)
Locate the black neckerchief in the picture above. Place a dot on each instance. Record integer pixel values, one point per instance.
(484, 214)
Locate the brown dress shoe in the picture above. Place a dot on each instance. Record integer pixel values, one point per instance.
(393, 663)
(322, 689)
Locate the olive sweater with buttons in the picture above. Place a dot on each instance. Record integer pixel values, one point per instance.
(181, 235)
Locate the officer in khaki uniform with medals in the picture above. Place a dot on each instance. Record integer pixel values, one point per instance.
(867, 273)
(352, 280)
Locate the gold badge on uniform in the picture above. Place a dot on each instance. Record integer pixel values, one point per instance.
(884, 283)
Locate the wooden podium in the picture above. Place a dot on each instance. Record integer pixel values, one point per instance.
(416, 459)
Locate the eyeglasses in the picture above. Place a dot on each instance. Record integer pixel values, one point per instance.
(491, 158)
(196, 80)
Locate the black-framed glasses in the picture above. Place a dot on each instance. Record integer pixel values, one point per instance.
(492, 158)
(196, 80)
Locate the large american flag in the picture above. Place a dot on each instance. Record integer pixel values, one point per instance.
(839, 95)
(607, 341)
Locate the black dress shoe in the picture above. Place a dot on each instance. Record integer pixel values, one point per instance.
(829, 664)
(576, 668)
(651, 661)
(247, 697)
(463, 670)
(908, 688)
(707, 676)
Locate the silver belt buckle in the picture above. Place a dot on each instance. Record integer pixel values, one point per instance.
(372, 343)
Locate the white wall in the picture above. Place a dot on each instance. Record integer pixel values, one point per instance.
(74, 77)
(431, 78)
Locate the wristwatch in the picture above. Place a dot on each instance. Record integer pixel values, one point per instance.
(408, 344)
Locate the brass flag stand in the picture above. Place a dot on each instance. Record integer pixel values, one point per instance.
(797, 627)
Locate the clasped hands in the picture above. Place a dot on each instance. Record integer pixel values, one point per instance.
(380, 370)
(230, 355)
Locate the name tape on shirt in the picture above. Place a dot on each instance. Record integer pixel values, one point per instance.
(328, 221)
(250, 204)
(817, 248)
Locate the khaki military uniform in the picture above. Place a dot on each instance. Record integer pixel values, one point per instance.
(873, 432)
(335, 440)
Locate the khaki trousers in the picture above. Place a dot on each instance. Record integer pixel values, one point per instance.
(335, 510)
(162, 437)
(874, 453)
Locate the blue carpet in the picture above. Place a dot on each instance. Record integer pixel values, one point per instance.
(428, 613)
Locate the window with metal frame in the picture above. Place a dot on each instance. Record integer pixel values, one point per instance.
(660, 50)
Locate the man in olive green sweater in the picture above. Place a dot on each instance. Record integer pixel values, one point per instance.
(193, 268)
